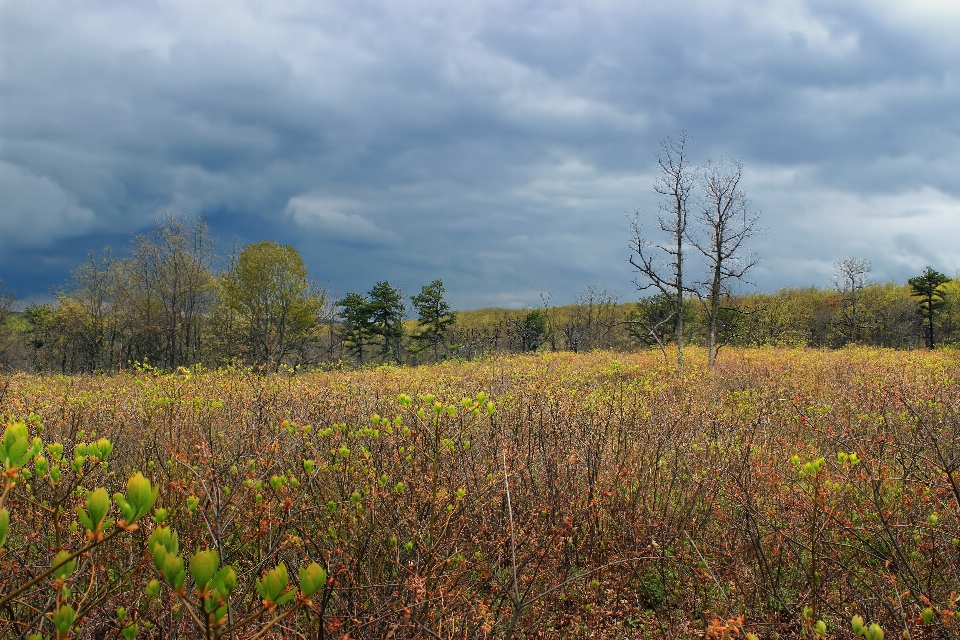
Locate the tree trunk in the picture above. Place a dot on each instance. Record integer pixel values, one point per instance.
(679, 293)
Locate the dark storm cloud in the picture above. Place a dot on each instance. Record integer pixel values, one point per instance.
(494, 145)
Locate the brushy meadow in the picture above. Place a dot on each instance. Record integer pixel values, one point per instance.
(784, 494)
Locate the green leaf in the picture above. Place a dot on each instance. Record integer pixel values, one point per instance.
(210, 604)
(312, 579)
(203, 566)
(874, 632)
(105, 448)
(159, 554)
(63, 572)
(126, 510)
(140, 497)
(178, 579)
(84, 518)
(14, 444)
(274, 583)
(158, 544)
(35, 447)
(63, 619)
(225, 581)
(56, 450)
(856, 624)
(98, 504)
(4, 525)
(173, 571)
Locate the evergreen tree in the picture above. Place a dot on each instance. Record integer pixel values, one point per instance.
(386, 318)
(356, 329)
(533, 330)
(927, 287)
(435, 318)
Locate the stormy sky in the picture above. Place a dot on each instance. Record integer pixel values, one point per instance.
(496, 145)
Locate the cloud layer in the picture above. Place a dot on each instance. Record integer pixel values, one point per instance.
(494, 145)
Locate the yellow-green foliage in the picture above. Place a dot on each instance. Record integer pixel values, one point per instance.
(804, 491)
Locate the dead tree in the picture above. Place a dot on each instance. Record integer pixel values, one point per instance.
(725, 223)
(850, 279)
(660, 265)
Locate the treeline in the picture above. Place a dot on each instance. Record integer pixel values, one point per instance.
(881, 314)
(877, 314)
(174, 301)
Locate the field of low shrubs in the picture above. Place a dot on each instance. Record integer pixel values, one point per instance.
(785, 494)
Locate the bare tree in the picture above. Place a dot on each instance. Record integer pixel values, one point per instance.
(850, 278)
(548, 313)
(88, 308)
(172, 272)
(726, 222)
(593, 318)
(661, 265)
(648, 322)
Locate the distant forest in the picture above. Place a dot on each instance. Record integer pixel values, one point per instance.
(174, 302)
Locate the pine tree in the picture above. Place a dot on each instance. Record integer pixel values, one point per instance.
(927, 287)
(386, 318)
(435, 318)
(356, 326)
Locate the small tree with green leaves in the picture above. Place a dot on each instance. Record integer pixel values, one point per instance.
(267, 286)
(435, 318)
(928, 288)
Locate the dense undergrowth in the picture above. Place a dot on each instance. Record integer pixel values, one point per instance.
(783, 494)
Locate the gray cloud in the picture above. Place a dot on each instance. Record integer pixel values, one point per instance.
(494, 145)
(327, 217)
